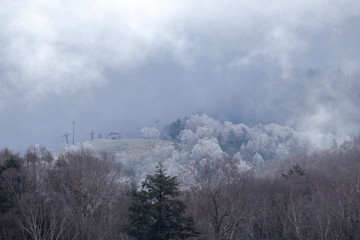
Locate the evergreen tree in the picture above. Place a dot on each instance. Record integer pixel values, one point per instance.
(175, 128)
(295, 170)
(156, 213)
(8, 161)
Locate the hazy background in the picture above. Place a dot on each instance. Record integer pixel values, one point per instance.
(115, 65)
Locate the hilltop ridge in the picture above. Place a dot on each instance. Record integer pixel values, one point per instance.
(132, 147)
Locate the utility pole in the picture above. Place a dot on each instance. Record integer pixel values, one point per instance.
(92, 134)
(156, 123)
(73, 122)
(66, 135)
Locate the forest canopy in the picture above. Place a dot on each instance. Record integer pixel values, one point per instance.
(87, 195)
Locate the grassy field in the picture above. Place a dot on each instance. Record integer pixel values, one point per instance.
(132, 147)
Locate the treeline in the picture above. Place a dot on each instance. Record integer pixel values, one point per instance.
(81, 195)
(77, 196)
(200, 139)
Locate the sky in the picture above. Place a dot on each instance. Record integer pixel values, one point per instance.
(116, 65)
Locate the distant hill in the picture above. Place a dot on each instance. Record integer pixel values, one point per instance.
(132, 147)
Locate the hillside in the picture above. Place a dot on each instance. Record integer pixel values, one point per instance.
(133, 147)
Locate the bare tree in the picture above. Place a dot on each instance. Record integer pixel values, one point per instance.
(44, 216)
(97, 190)
(219, 200)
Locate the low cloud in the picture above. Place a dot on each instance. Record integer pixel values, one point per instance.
(292, 63)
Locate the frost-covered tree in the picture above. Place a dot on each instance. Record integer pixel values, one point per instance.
(150, 132)
(202, 139)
